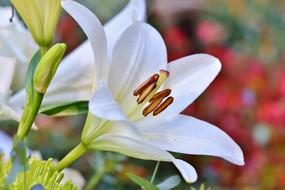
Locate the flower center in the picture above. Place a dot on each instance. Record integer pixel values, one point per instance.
(147, 93)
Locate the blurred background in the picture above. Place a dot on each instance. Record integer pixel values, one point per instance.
(247, 100)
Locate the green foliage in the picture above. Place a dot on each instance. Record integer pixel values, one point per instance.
(33, 100)
(39, 175)
(66, 109)
(142, 182)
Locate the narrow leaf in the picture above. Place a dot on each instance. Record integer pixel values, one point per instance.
(66, 109)
(144, 184)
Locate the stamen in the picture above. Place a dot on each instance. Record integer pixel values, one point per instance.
(163, 94)
(153, 79)
(163, 106)
(146, 92)
(152, 106)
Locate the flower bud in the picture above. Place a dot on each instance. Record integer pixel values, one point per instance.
(41, 17)
(47, 67)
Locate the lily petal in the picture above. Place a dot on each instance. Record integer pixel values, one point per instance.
(187, 171)
(95, 33)
(103, 105)
(189, 77)
(74, 85)
(130, 147)
(7, 70)
(188, 135)
(139, 53)
(120, 22)
(137, 148)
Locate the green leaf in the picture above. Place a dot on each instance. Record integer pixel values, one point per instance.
(142, 182)
(30, 74)
(33, 99)
(66, 109)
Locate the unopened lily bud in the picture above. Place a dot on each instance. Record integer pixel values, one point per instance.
(47, 67)
(41, 17)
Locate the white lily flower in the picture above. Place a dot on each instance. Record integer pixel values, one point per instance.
(74, 78)
(138, 66)
(16, 42)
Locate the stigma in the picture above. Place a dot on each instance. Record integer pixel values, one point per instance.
(147, 93)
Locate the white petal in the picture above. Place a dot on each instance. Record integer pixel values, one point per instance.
(120, 22)
(187, 171)
(103, 105)
(139, 53)
(7, 69)
(95, 33)
(189, 77)
(185, 134)
(6, 145)
(130, 143)
(130, 147)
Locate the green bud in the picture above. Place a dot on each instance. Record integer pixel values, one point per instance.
(47, 67)
(41, 17)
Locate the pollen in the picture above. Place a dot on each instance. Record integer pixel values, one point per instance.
(152, 106)
(153, 79)
(161, 94)
(147, 92)
(163, 106)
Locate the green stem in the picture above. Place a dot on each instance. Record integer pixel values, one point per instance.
(29, 114)
(73, 155)
(43, 50)
(155, 171)
(95, 180)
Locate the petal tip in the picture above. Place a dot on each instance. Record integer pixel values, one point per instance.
(186, 170)
(215, 60)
